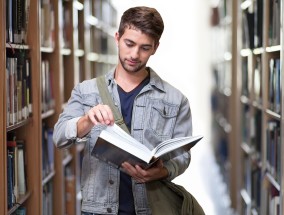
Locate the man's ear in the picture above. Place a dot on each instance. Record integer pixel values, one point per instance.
(155, 48)
(116, 37)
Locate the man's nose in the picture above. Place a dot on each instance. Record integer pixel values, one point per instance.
(135, 53)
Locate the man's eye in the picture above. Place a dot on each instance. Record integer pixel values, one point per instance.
(145, 48)
(129, 44)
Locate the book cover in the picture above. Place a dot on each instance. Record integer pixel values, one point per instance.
(10, 180)
(21, 168)
(115, 146)
(21, 211)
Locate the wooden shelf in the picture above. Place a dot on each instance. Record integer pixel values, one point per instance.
(58, 57)
(255, 40)
(21, 201)
(48, 178)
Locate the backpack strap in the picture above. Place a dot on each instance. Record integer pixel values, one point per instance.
(107, 100)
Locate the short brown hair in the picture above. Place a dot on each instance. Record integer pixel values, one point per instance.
(147, 20)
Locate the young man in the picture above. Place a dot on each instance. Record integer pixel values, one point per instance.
(153, 111)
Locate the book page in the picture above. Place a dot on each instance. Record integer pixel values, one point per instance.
(173, 144)
(118, 137)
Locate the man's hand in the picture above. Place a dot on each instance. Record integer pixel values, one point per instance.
(100, 114)
(158, 171)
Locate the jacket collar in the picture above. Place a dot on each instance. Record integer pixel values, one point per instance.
(155, 79)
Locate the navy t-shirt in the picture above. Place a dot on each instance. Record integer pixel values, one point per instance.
(126, 200)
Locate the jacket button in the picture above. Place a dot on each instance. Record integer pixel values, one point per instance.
(109, 210)
(111, 181)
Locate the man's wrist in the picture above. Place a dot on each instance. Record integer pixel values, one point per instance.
(165, 173)
(84, 126)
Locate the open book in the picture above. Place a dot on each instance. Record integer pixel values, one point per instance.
(115, 146)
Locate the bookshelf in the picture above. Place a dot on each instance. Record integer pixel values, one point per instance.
(55, 55)
(223, 99)
(256, 118)
(3, 177)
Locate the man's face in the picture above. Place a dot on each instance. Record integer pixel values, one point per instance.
(135, 49)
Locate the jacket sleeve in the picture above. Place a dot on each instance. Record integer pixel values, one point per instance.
(65, 129)
(183, 127)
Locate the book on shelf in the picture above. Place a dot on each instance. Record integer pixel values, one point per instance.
(46, 87)
(275, 85)
(248, 29)
(274, 23)
(21, 211)
(258, 23)
(115, 146)
(17, 19)
(273, 200)
(258, 80)
(47, 202)
(15, 169)
(21, 168)
(18, 88)
(256, 187)
(10, 195)
(245, 77)
(273, 152)
(47, 24)
(47, 151)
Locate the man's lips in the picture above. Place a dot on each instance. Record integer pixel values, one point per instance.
(132, 62)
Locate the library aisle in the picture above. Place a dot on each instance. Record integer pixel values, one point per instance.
(202, 178)
(185, 46)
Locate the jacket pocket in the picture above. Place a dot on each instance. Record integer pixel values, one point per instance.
(89, 101)
(162, 118)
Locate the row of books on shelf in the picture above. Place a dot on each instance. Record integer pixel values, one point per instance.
(16, 164)
(273, 143)
(255, 136)
(18, 12)
(47, 152)
(272, 200)
(274, 82)
(251, 132)
(18, 88)
(47, 199)
(273, 150)
(252, 20)
(66, 25)
(274, 22)
(47, 97)
(16, 175)
(252, 82)
(17, 18)
(256, 187)
(47, 24)
(254, 182)
(274, 88)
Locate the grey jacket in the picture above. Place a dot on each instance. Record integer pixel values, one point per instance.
(160, 112)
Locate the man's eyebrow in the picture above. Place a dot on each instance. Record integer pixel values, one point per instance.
(128, 40)
(131, 41)
(147, 45)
